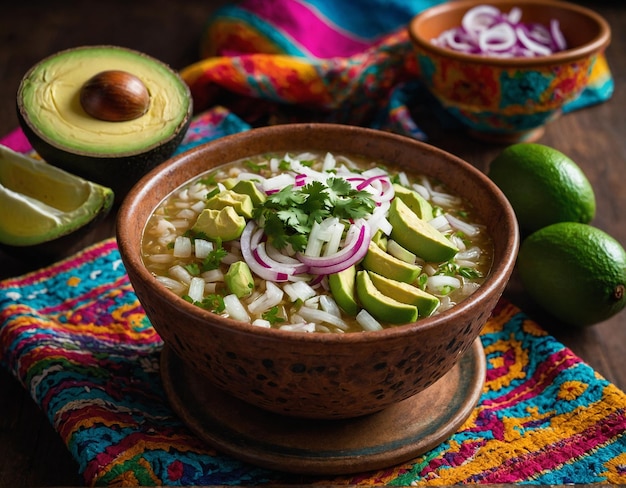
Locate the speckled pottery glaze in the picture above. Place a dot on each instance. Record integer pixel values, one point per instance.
(508, 99)
(323, 376)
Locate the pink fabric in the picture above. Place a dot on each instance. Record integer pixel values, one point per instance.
(309, 29)
(17, 141)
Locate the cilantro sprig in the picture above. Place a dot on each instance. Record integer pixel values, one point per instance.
(289, 214)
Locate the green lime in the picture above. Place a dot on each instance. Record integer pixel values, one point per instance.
(574, 271)
(543, 185)
(41, 203)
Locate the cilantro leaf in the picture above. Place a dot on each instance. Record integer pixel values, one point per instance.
(214, 258)
(288, 215)
(272, 316)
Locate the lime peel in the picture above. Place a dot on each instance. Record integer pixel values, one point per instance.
(574, 271)
(543, 185)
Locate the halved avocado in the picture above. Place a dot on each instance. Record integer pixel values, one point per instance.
(112, 153)
(44, 208)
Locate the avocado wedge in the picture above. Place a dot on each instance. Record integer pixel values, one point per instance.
(385, 264)
(403, 292)
(41, 204)
(416, 202)
(382, 307)
(342, 287)
(417, 235)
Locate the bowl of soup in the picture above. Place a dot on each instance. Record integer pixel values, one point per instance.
(317, 270)
(506, 68)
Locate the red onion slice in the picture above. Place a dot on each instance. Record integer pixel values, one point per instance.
(350, 254)
(557, 35)
(479, 18)
(259, 269)
(532, 45)
(500, 38)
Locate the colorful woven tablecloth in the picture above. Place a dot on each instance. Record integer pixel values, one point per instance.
(77, 339)
(75, 336)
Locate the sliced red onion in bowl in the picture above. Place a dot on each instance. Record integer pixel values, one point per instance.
(479, 18)
(500, 38)
(531, 44)
(487, 31)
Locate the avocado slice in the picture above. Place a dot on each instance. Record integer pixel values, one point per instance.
(241, 202)
(247, 187)
(342, 287)
(385, 264)
(112, 153)
(417, 235)
(403, 292)
(382, 307)
(380, 239)
(41, 203)
(239, 279)
(225, 224)
(416, 202)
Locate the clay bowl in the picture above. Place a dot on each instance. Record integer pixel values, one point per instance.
(508, 99)
(318, 376)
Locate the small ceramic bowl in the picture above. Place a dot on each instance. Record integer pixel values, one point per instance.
(508, 99)
(318, 375)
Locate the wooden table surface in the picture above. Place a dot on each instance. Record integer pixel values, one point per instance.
(31, 453)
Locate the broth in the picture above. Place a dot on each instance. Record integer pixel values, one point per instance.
(290, 268)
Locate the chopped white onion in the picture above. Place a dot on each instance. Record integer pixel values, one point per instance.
(329, 305)
(471, 254)
(196, 289)
(367, 321)
(440, 222)
(202, 248)
(160, 258)
(213, 275)
(182, 247)
(179, 273)
(458, 224)
(321, 316)
(329, 162)
(303, 327)
(299, 290)
(235, 309)
(437, 283)
(174, 285)
(354, 249)
(272, 297)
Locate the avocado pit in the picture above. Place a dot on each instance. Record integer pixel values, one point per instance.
(114, 96)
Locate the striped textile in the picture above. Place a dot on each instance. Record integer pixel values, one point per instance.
(325, 60)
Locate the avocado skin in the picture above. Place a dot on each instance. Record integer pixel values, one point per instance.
(119, 172)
